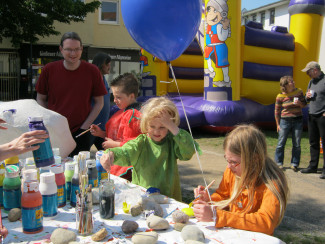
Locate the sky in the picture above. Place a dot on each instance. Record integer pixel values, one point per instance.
(251, 4)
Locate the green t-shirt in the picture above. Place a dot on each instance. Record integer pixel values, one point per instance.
(155, 163)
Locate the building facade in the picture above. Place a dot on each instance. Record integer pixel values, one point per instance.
(102, 31)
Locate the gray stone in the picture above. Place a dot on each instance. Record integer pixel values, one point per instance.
(145, 238)
(157, 223)
(180, 217)
(99, 235)
(129, 226)
(136, 210)
(160, 199)
(14, 214)
(179, 226)
(150, 204)
(191, 232)
(63, 236)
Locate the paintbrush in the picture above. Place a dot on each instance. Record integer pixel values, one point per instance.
(84, 132)
(207, 188)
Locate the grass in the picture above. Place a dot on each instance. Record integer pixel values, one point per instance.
(301, 239)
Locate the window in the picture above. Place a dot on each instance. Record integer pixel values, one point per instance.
(246, 20)
(272, 15)
(109, 12)
(263, 18)
(254, 17)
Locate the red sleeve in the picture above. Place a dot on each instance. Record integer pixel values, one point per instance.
(131, 125)
(42, 82)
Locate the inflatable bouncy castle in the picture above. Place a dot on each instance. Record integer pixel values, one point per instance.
(229, 74)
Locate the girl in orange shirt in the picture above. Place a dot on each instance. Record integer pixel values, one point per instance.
(253, 192)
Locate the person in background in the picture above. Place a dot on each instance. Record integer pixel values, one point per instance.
(154, 153)
(288, 118)
(103, 62)
(68, 86)
(315, 96)
(253, 192)
(124, 125)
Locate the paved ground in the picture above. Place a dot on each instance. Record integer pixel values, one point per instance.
(305, 212)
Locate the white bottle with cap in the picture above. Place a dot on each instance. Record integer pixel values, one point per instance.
(56, 154)
(49, 192)
(30, 164)
(29, 175)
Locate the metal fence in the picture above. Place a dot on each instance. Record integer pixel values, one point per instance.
(9, 76)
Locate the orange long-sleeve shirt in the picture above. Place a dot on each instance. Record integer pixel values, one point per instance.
(262, 217)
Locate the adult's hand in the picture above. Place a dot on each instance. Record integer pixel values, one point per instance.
(22, 144)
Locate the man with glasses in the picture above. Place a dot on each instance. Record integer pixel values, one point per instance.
(315, 96)
(67, 87)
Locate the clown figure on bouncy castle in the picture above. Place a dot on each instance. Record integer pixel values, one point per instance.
(217, 32)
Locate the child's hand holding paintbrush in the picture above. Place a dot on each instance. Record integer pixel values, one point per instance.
(201, 193)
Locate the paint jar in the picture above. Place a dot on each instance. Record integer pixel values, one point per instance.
(107, 199)
(31, 208)
(44, 155)
(102, 173)
(29, 175)
(30, 164)
(12, 161)
(2, 177)
(49, 191)
(84, 213)
(57, 169)
(68, 174)
(92, 172)
(11, 188)
(74, 186)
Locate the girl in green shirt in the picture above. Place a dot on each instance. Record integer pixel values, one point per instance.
(154, 153)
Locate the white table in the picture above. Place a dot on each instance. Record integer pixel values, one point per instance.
(131, 193)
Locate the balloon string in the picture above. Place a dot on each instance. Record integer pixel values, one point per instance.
(188, 124)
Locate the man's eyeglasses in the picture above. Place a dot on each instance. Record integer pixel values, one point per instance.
(69, 50)
(232, 163)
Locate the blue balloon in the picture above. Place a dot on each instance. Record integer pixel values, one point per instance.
(164, 28)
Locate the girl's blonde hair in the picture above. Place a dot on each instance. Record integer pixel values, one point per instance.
(151, 109)
(249, 143)
(284, 80)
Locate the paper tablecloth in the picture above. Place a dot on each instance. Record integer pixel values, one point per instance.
(131, 194)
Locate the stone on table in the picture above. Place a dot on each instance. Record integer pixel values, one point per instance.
(157, 223)
(191, 232)
(63, 236)
(145, 238)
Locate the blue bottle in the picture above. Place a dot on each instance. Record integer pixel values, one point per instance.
(102, 173)
(44, 155)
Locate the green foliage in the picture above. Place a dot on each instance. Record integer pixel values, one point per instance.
(26, 20)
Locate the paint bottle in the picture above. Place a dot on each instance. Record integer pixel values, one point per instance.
(11, 188)
(49, 193)
(57, 169)
(30, 164)
(2, 177)
(68, 173)
(31, 208)
(107, 199)
(74, 186)
(102, 173)
(92, 172)
(12, 161)
(44, 155)
(29, 175)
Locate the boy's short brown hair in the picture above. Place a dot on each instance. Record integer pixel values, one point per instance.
(128, 82)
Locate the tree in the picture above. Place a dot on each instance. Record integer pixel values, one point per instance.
(27, 20)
